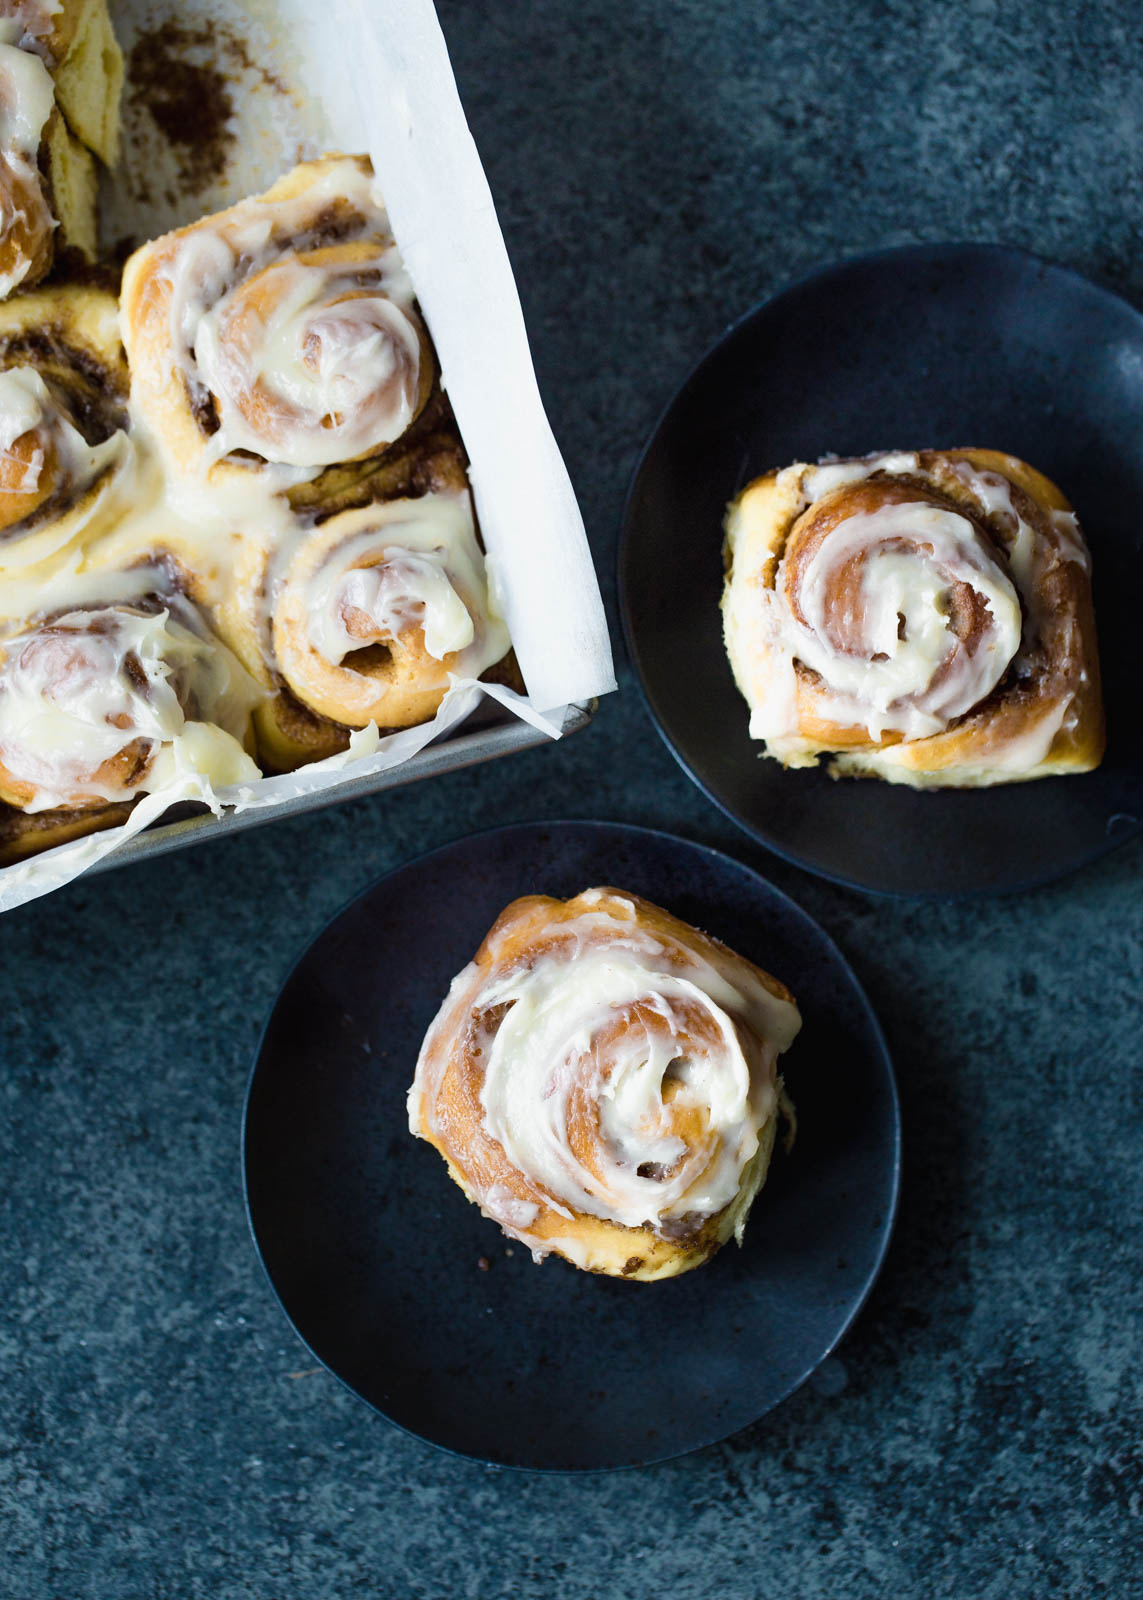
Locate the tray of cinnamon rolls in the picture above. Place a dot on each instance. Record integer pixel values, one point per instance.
(242, 569)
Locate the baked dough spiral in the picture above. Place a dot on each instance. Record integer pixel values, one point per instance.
(64, 449)
(368, 614)
(281, 333)
(923, 616)
(602, 1082)
(275, 483)
(103, 702)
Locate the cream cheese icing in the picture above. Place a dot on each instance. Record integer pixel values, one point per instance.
(77, 691)
(644, 1033)
(889, 659)
(408, 564)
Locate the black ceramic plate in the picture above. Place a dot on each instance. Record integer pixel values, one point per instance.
(940, 345)
(375, 1253)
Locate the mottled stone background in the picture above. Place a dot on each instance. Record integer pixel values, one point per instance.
(659, 166)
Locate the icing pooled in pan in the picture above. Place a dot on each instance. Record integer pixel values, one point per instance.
(258, 427)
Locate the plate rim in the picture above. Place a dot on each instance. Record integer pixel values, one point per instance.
(934, 249)
(885, 1059)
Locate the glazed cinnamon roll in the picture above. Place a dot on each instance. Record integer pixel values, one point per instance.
(64, 449)
(602, 1081)
(103, 702)
(366, 616)
(925, 617)
(377, 608)
(281, 334)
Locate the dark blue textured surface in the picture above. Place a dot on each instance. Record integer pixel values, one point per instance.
(658, 167)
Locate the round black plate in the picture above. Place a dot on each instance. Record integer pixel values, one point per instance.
(940, 345)
(375, 1253)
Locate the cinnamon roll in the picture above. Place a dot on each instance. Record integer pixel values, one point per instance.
(366, 616)
(924, 617)
(378, 608)
(281, 334)
(64, 448)
(103, 702)
(602, 1081)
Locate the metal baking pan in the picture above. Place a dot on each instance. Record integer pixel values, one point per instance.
(469, 749)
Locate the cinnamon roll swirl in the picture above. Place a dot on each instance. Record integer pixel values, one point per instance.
(367, 616)
(103, 702)
(925, 617)
(602, 1081)
(64, 448)
(281, 334)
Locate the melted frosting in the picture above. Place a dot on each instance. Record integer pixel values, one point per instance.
(77, 691)
(665, 1056)
(911, 672)
(71, 698)
(408, 567)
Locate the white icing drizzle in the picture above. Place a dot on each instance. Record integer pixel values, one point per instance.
(641, 1030)
(76, 691)
(911, 556)
(26, 95)
(829, 475)
(22, 408)
(31, 25)
(412, 564)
